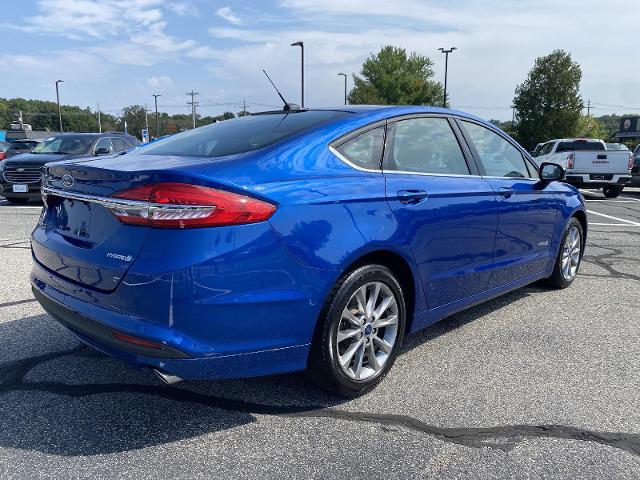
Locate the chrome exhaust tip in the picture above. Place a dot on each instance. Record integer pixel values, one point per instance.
(167, 378)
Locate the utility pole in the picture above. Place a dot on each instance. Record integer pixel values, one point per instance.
(244, 107)
(193, 104)
(589, 107)
(146, 117)
(446, 68)
(301, 45)
(58, 99)
(155, 99)
(513, 115)
(345, 86)
(99, 124)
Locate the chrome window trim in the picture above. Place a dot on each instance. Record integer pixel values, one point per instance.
(425, 174)
(351, 164)
(116, 203)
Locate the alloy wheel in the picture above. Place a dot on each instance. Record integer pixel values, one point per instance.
(367, 331)
(571, 254)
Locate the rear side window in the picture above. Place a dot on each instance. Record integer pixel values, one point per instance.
(579, 145)
(499, 158)
(241, 134)
(365, 150)
(426, 145)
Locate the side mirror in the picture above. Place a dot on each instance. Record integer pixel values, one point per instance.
(550, 172)
(103, 151)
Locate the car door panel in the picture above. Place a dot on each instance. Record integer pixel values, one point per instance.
(450, 219)
(527, 207)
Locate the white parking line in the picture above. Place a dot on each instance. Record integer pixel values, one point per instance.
(614, 218)
(631, 200)
(612, 225)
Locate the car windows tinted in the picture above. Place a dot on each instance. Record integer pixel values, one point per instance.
(119, 145)
(426, 145)
(241, 134)
(103, 143)
(498, 156)
(579, 145)
(365, 150)
(71, 144)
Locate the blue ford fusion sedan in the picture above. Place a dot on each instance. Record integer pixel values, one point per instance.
(299, 239)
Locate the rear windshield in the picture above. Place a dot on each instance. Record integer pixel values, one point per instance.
(579, 145)
(240, 135)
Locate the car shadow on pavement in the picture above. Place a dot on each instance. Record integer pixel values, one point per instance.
(75, 401)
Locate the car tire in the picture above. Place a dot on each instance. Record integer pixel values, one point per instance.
(565, 273)
(345, 358)
(16, 200)
(612, 191)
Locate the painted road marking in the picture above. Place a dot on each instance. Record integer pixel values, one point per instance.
(614, 218)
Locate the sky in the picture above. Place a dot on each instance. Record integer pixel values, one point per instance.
(120, 52)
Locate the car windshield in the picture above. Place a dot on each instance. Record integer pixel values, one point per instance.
(23, 145)
(67, 144)
(579, 145)
(240, 135)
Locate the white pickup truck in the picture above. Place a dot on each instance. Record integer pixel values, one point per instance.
(589, 164)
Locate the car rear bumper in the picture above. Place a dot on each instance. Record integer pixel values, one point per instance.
(599, 180)
(211, 322)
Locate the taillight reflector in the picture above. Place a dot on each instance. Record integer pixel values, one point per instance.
(181, 205)
(141, 342)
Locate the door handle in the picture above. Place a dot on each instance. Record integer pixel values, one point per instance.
(412, 197)
(506, 192)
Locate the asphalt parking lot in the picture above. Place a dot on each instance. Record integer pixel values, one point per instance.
(537, 384)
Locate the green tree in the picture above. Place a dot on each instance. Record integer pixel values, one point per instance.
(591, 127)
(548, 102)
(391, 77)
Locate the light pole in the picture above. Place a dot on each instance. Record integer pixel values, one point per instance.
(446, 67)
(345, 86)
(301, 45)
(155, 99)
(58, 99)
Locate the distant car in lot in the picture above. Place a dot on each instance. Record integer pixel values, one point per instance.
(635, 172)
(589, 164)
(21, 176)
(4, 146)
(305, 239)
(21, 146)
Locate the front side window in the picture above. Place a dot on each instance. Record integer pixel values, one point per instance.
(103, 143)
(365, 150)
(498, 156)
(426, 145)
(119, 145)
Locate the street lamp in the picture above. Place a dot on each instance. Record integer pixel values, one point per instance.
(345, 86)
(155, 99)
(301, 45)
(446, 66)
(58, 99)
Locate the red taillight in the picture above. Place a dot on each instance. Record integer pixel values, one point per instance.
(571, 158)
(2, 156)
(181, 205)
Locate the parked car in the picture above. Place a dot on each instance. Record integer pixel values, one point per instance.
(21, 176)
(306, 239)
(635, 171)
(21, 146)
(589, 164)
(4, 146)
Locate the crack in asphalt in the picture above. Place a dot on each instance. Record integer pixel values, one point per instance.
(503, 437)
(606, 262)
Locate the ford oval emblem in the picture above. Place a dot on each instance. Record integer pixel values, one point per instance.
(68, 181)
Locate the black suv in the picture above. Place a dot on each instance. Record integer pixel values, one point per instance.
(21, 175)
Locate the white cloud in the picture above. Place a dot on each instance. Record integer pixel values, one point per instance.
(227, 14)
(160, 82)
(183, 9)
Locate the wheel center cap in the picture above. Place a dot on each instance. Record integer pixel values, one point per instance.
(368, 329)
